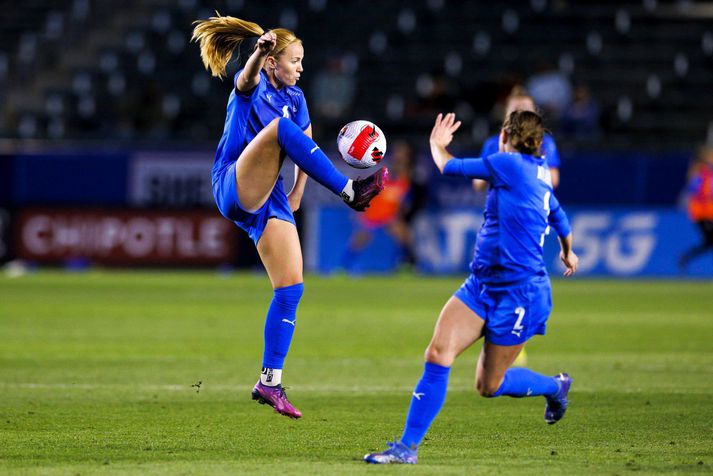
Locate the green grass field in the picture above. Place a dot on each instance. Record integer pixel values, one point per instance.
(97, 375)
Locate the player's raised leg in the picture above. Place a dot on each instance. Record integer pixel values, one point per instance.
(457, 328)
(279, 249)
(259, 165)
(494, 378)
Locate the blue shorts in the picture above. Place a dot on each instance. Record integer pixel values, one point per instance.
(512, 313)
(225, 192)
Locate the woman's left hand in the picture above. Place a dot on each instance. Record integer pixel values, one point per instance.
(570, 261)
(294, 200)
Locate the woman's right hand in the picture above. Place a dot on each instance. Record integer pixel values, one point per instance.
(443, 129)
(266, 43)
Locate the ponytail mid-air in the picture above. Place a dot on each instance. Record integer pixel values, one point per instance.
(219, 36)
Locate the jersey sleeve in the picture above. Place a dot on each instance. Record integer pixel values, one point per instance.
(302, 116)
(503, 168)
(549, 150)
(246, 94)
(558, 218)
(468, 168)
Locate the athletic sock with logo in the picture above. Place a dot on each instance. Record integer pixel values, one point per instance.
(521, 382)
(309, 157)
(279, 327)
(426, 402)
(271, 377)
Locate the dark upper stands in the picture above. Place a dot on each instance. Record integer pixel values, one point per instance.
(125, 72)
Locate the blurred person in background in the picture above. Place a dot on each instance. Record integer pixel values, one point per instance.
(581, 119)
(520, 100)
(392, 210)
(267, 119)
(700, 204)
(434, 92)
(334, 88)
(551, 90)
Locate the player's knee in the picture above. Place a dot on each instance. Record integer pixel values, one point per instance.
(486, 388)
(273, 129)
(487, 391)
(438, 354)
(290, 294)
(290, 281)
(283, 129)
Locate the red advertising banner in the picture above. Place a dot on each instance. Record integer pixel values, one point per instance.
(125, 237)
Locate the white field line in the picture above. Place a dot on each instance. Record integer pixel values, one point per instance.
(326, 389)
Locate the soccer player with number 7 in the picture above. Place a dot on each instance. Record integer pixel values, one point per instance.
(507, 297)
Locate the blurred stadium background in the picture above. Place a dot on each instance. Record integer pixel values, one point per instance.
(108, 123)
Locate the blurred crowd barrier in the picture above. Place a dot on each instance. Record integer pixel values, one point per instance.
(124, 237)
(155, 208)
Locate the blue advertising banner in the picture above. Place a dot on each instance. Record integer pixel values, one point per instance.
(70, 179)
(610, 243)
(329, 245)
(633, 242)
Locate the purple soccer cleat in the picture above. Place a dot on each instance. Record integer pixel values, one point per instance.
(557, 404)
(368, 188)
(276, 398)
(396, 453)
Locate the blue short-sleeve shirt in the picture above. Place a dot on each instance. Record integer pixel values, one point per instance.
(248, 113)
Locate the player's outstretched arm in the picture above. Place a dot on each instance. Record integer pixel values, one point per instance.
(568, 256)
(441, 136)
(250, 75)
(559, 221)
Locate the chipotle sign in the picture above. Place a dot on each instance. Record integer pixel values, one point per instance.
(125, 237)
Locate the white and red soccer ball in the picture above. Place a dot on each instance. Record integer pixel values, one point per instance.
(361, 144)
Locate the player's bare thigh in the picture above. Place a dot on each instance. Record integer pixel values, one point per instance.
(458, 327)
(281, 254)
(493, 362)
(258, 167)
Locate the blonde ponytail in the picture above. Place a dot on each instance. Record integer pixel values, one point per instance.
(219, 36)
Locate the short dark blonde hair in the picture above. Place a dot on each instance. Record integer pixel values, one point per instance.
(525, 131)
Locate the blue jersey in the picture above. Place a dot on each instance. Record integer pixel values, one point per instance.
(548, 149)
(519, 208)
(248, 113)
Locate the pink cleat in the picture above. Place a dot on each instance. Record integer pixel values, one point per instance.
(368, 188)
(276, 398)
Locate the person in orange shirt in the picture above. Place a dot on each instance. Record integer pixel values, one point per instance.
(700, 204)
(391, 210)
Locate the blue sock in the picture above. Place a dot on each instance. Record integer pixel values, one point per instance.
(521, 382)
(280, 325)
(427, 400)
(309, 157)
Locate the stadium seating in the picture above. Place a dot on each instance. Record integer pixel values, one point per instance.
(125, 71)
